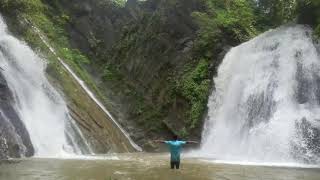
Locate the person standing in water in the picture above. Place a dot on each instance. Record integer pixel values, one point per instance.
(175, 147)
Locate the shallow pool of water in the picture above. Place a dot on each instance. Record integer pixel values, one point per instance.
(142, 166)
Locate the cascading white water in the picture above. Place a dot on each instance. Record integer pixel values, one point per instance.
(39, 106)
(266, 102)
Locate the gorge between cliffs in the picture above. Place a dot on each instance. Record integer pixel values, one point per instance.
(91, 84)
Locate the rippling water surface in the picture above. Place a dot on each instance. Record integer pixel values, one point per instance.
(144, 166)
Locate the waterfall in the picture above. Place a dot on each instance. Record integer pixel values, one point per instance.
(266, 103)
(41, 108)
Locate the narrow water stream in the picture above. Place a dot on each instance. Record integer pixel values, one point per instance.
(142, 166)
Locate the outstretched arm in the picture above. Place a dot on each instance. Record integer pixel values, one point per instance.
(159, 141)
(192, 142)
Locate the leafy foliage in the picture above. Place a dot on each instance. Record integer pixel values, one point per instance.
(220, 22)
(120, 3)
(194, 86)
(74, 55)
(111, 73)
(272, 13)
(234, 17)
(222, 19)
(238, 18)
(22, 6)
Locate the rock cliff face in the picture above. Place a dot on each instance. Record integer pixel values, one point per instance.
(139, 52)
(151, 62)
(93, 24)
(101, 134)
(142, 58)
(14, 138)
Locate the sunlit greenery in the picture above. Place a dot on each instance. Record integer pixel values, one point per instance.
(120, 3)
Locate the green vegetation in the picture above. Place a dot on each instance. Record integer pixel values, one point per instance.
(120, 3)
(235, 18)
(22, 6)
(221, 23)
(74, 54)
(194, 86)
(161, 60)
(237, 21)
(273, 13)
(111, 73)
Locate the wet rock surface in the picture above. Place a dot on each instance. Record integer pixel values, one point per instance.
(14, 138)
(164, 34)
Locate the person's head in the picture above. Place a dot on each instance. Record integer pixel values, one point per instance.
(175, 137)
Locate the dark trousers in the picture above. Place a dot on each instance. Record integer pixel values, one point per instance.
(175, 164)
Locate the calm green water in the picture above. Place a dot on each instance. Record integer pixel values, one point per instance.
(144, 167)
